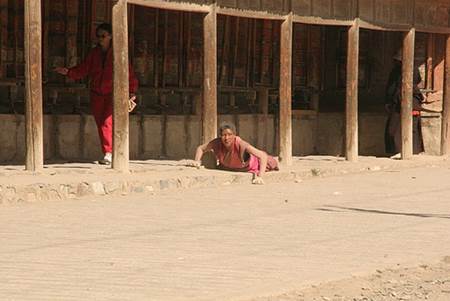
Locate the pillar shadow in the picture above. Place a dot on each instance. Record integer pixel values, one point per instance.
(375, 211)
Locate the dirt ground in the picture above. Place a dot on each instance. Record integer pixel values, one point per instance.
(425, 282)
(238, 242)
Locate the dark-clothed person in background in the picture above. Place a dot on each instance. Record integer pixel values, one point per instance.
(393, 107)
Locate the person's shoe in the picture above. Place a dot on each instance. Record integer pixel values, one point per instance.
(107, 159)
(396, 156)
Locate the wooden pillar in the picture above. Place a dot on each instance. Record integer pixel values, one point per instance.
(285, 129)
(407, 94)
(120, 160)
(33, 87)
(209, 109)
(445, 134)
(351, 104)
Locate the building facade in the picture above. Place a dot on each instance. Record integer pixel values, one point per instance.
(297, 77)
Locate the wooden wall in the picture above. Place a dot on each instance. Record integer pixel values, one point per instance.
(396, 13)
(166, 49)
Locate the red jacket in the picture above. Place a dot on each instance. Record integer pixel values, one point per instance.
(100, 71)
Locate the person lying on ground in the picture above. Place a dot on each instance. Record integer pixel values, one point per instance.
(235, 154)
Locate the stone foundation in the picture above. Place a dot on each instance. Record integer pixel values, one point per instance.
(74, 137)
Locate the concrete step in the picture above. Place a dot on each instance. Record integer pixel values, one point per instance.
(82, 180)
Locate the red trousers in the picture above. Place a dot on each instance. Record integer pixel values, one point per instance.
(101, 106)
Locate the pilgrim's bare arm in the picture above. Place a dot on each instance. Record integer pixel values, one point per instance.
(262, 156)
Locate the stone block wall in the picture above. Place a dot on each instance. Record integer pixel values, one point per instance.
(75, 137)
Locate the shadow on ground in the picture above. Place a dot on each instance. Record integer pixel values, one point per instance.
(375, 211)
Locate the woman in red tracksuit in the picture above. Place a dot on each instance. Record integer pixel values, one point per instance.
(98, 65)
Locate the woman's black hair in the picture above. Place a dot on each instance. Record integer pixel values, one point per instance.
(104, 26)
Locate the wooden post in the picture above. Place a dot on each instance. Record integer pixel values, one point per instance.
(209, 116)
(407, 94)
(445, 134)
(120, 160)
(33, 86)
(285, 130)
(351, 104)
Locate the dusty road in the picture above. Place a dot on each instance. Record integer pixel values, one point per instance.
(233, 243)
(425, 282)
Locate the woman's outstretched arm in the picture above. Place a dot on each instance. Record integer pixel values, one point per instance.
(262, 156)
(201, 149)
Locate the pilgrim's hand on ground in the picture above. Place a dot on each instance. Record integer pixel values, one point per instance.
(193, 163)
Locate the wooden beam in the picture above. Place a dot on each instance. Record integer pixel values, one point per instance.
(247, 13)
(351, 104)
(445, 133)
(432, 29)
(321, 21)
(209, 116)
(163, 4)
(407, 94)
(120, 160)
(33, 86)
(285, 130)
(382, 26)
(255, 14)
(372, 25)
